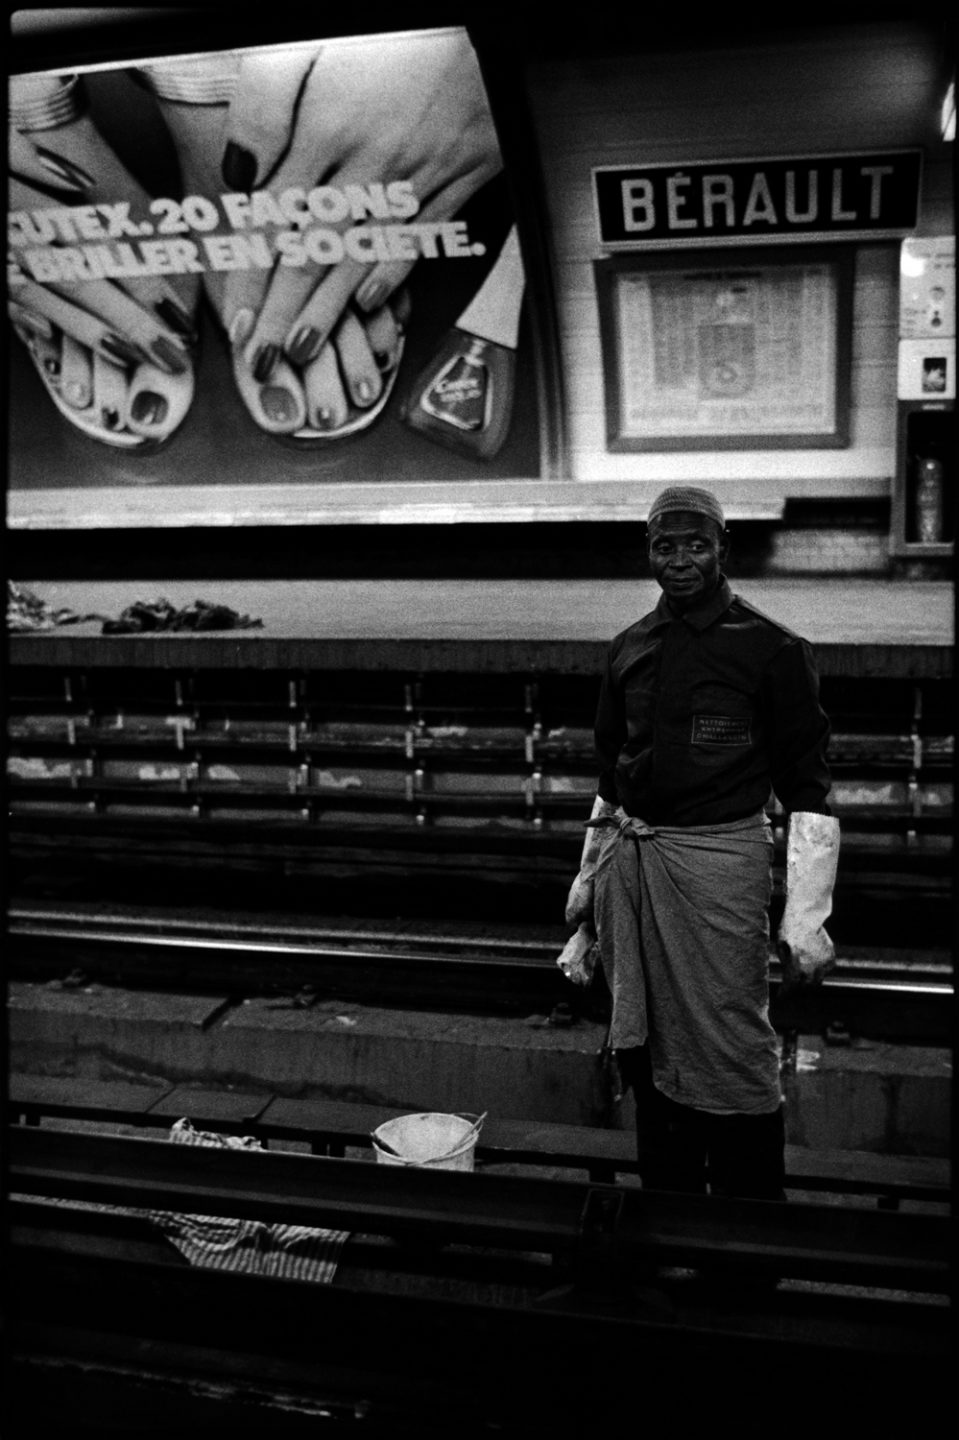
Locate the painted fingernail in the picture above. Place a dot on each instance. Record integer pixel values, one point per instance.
(264, 362)
(36, 324)
(239, 167)
(278, 404)
(178, 319)
(148, 408)
(371, 294)
(241, 327)
(52, 367)
(169, 356)
(363, 392)
(384, 359)
(305, 346)
(120, 351)
(322, 418)
(65, 170)
(110, 417)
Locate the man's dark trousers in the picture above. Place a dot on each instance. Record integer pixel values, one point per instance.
(682, 1149)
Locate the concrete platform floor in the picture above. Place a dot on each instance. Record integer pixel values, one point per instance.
(826, 611)
(868, 1096)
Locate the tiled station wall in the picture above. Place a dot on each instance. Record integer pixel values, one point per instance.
(843, 89)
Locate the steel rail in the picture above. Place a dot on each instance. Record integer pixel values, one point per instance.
(314, 940)
(809, 1241)
(920, 971)
(878, 996)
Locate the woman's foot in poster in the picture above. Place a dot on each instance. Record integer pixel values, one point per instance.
(314, 388)
(113, 347)
(312, 154)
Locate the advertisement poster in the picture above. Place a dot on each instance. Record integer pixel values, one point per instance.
(289, 266)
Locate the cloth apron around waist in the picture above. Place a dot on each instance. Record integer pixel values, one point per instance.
(682, 923)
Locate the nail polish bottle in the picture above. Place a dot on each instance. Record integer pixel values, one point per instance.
(464, 397)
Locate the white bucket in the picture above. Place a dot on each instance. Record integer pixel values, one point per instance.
(437, 1142)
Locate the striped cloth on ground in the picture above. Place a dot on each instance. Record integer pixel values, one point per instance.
(248, 1247)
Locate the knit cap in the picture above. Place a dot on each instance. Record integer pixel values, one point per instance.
(687, 497)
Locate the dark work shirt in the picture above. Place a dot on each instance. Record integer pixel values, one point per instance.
(702, 715)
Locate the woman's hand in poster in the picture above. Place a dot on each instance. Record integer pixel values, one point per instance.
(114, 350)
(316, 346)
(408, 109)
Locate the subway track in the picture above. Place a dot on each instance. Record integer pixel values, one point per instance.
(895, 995)
(866, 1297)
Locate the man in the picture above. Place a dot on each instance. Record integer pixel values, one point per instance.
(706, 706)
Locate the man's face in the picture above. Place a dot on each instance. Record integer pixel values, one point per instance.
(686, 554)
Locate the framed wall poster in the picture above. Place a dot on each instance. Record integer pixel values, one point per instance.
(267, 285)
(735, 350)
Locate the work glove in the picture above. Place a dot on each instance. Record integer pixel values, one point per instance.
(812, 856)
(578, 959)
(579, 901)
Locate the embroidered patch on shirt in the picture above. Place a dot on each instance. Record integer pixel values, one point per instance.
(721, 730)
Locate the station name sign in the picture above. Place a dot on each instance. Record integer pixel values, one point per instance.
(813, 197)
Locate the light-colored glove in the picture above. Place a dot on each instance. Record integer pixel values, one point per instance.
(578, 960)
(579, 901)
(812, 857)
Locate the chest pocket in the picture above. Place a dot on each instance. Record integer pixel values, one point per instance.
(721, 730)
(721, 714)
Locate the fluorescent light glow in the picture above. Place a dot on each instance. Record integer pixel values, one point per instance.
(949, 113)
(910, 264)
